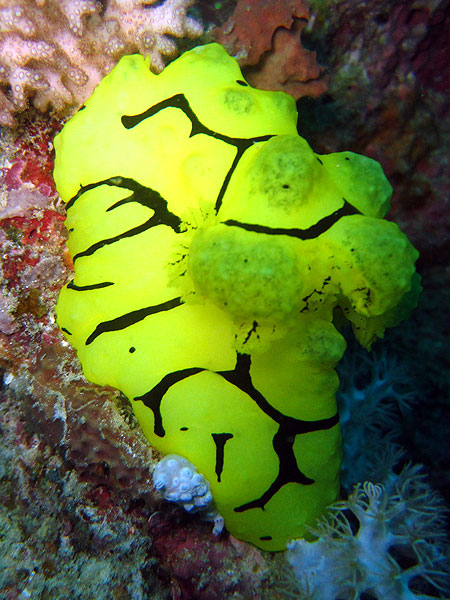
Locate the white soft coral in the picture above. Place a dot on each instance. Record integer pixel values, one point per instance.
(383, 541)
(375, 394)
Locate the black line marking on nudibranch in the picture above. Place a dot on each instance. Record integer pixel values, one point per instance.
(288, 427)
(302, 234)
(240, 377)
(140, 194)
(283, 440)
(131, 318)
(289, 472)
(153, 398)
(85, 288)
(252, 330)
(180, 101)
(66, 331)
(220, 439)
(319, 293)
(240, 82)
(121, 202)
(113, 181)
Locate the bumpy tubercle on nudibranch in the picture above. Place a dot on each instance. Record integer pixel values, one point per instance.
(211, 248)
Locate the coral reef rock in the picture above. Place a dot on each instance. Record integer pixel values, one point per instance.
(55, 52)
(265, 38)
(388, 98)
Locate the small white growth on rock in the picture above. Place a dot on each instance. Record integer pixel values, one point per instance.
(8, 378)
(177, 479)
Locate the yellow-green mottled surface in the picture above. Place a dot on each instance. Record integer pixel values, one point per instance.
(211, 246)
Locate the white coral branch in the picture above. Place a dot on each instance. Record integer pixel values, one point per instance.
(76, 12)
(54, 52)
(367, 543)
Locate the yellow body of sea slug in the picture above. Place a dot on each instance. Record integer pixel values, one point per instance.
(211, 246)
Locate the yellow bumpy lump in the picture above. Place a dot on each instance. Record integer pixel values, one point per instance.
(211, 246)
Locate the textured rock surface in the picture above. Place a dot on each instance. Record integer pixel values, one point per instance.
(265, 38)
(53, 53)
(388, 98)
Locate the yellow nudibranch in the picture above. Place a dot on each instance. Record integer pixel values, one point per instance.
(211, 249)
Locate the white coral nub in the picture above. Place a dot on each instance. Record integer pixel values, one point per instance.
(177, 479)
